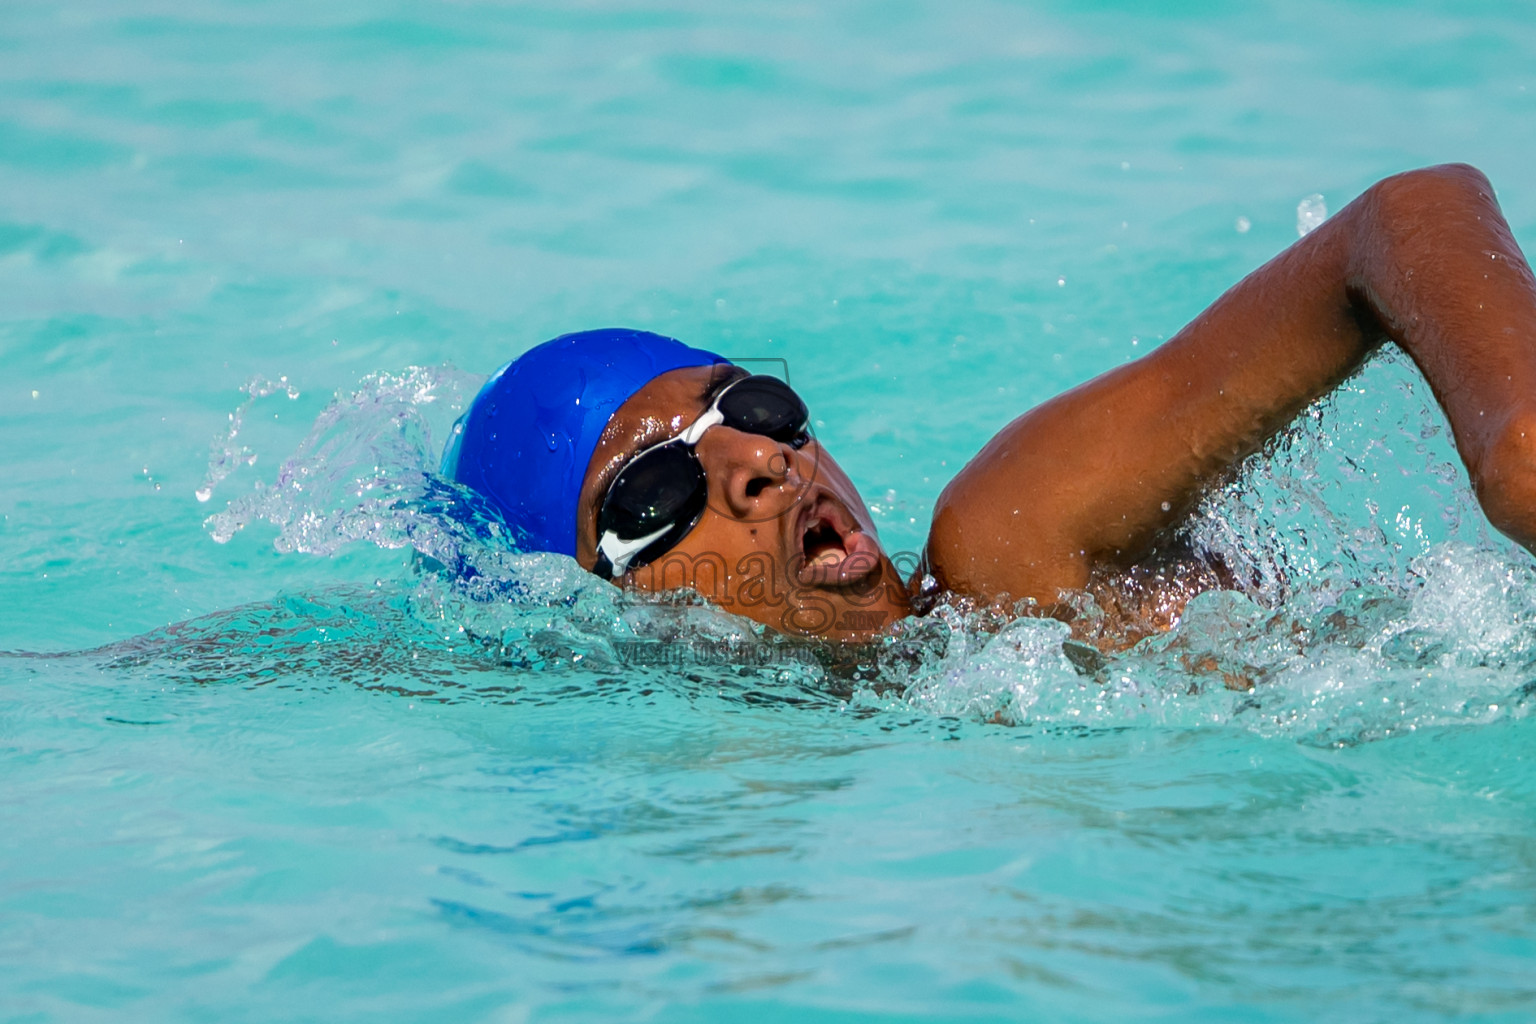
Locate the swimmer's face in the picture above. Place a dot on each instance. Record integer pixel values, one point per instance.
(785, 540)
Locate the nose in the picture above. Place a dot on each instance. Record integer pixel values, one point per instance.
(751, 476)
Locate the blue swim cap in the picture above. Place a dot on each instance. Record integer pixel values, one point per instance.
(529, 435)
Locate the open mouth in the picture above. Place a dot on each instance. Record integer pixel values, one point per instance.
(836, 551)
(823, 545)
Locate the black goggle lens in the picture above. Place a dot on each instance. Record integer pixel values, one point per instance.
(765, 406)
(666, 485)
(661, 487)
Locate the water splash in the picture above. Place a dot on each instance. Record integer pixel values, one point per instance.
(363, 473)
(366, 473)
(1364, 483)
(228, 452)
(1375, 600)
(1310, 213)
(1365, 617)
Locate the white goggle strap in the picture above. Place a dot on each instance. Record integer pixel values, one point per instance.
(695, 431)
(619, 552)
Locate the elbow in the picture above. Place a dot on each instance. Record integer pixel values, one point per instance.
(1421, 222)
(1442, 181)
(1420, 199)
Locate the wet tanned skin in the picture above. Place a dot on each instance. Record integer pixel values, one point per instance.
(748, 552)
(1091, 481)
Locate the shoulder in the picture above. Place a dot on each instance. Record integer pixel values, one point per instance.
(994, 537)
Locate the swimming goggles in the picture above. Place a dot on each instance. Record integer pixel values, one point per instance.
(661, 493)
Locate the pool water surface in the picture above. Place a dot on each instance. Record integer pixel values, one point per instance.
(258, 763)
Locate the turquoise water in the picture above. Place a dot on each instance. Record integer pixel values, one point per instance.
(286, 776)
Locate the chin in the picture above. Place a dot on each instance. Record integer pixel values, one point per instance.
(844, 611)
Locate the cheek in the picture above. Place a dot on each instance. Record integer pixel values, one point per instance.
(737, 555)
(735, 565)
(832, 475)
(732, 539)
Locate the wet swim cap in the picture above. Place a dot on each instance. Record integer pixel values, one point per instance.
(530, 433)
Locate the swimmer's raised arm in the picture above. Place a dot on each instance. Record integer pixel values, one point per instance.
(1095, 475)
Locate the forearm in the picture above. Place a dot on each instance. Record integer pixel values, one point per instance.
(1443, 277)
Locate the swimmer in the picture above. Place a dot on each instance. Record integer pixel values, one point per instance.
(659, 466)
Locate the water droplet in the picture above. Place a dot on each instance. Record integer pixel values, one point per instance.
(1242, 225)
(204, 493)
(1310, 212)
